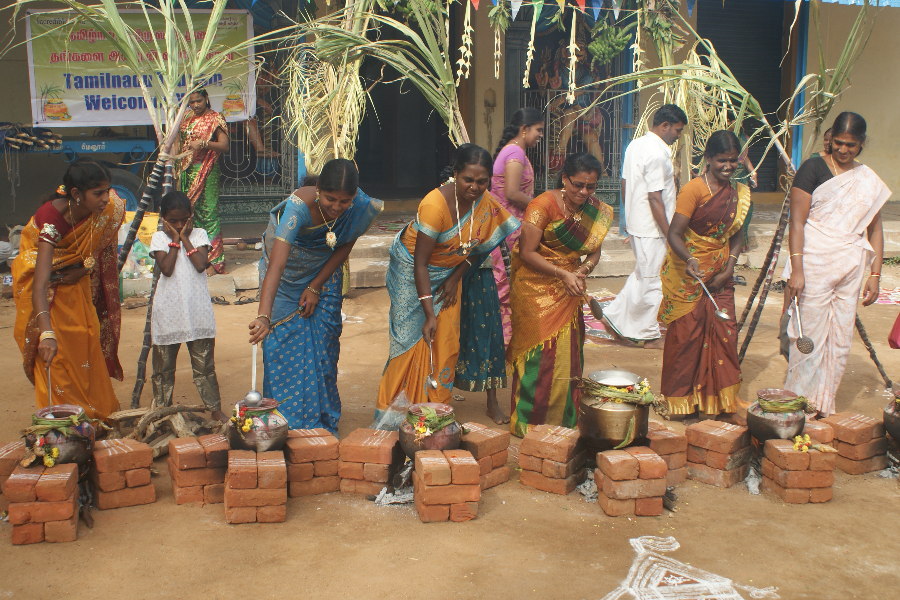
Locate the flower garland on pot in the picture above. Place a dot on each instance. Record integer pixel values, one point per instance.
(42, 447)
(429, 422)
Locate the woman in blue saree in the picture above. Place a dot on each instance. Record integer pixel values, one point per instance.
(305, 251)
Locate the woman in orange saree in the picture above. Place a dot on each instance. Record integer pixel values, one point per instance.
(66, 289)
(701, 373)
(456, 227)
(546, 349)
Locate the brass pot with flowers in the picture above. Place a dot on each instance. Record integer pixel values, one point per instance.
(62, 434)
(260, 428)
(429, 426)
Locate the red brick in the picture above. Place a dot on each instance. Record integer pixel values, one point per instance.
(62, 531)
(107, 482)
(863, 451)
(636, 488)
(369, 446)
(355, 486)
(433, 468)
(494, 478)
(20, 486)
(271, 471)
(242, 473)
(4, 503)
(195, 477)
(557, 470)
(302, 433)
(618, 465)
(311, 449)
(696, 455)
(483, 441)
(326, 468)
(853, 428)
(138, 477)
(499, 459)
(616, 508)
(42, 512)
(464, 511)
(554, 486)
(255, 497)
(819, 431)
(187, 453)
(351, 470)
(819, 495)
(803, 479)
(240, 514)
(675, 460)
(315, 486)
(530, 463)
(676, 477)
(214, 494)
(789, 496)
(121, 455)
(271, 514)
(821, 461)
(726, 462)
(717, 477)
(376, 473)
(127, 497)
(216, 447)
(638, 450)
(57, 483)
(561, 448)
(768, 468)
(654, 426)
(666, 441)
(648, 507)
(783, 455)
(464, 469)
(445, 494)
(598, 478)
(858, 467)
(31, 533)
(486, 465)
(188, 495)
(301, 471)
(718, 436)
(437, 513)
(652, 466)
(10, 455)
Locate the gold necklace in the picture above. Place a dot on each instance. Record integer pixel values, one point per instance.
(706, 181)
(330, 237)
(834, 166)
(576, 216)
(89, 262)
(464, 248)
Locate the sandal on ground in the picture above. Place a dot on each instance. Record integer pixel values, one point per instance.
(220, 300)
(739, 280)
(245, 300)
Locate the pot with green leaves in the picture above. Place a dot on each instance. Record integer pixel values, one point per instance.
(776, 415)
(60, 434)
(429, 426)
(614, 409)
(892, 415)
(260, 429)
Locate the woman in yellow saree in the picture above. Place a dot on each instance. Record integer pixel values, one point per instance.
(546, 349)
(456, 226)
(66, 289)
(701, 372)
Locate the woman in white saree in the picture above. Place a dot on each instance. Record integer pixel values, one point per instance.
(835, 237)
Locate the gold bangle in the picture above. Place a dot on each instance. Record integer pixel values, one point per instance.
(556, 271)
(266, 317)
(875, 275)
(589, 264)
(313, 290)
(733, 256)
(49, 334)
(41, 313)
(796, 254)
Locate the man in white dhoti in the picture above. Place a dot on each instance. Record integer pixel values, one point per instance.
(648, 186)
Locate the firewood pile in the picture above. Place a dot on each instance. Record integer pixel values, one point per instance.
(157, 426)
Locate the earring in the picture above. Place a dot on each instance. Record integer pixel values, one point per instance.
(78, 202)
(317, 194)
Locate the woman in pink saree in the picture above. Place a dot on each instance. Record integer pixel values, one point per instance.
(512, 184)
(836, 235)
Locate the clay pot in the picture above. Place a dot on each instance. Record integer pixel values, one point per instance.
(268, 432)
(773, 425)
(604, 424)
(447, 438)
(892, 418)
(73, 449)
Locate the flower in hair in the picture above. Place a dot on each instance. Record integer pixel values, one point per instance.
(61, 190)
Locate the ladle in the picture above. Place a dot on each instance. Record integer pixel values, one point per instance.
(804, 343)
(596, 309)
(430, 381)
(253, 398)
(722, 315)
(49, 394)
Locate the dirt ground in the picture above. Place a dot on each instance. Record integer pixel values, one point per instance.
(524, 543)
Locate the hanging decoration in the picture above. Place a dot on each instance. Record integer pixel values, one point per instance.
(499, 21)
(529, 55)
(516, 5)
(465, 50)
(617, 5)
(596, 5)
(573, 60)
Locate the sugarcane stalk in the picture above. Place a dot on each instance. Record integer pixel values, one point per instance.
(152, 185)
(865, 338)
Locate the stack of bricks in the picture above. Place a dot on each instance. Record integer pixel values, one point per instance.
(255, 487)
(819, 432)
(718, 453)
(860, 442)
(670, 446)
(490, 448)
(795, 476)
(312, 462)
(552, 459)
(631, 482)
(197, 467)
(43, 503)
(10, 455)
(121, 474)
(446, 485)
(366, 456)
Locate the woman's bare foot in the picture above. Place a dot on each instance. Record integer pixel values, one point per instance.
(493, 408)
(220, 416)
(657, 344)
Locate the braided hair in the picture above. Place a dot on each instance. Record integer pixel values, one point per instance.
(523, 117)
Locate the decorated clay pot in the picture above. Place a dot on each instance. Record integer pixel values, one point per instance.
(604, 423)
(268, 428)
(233, 104)
(447, 438)
(75, 448)
(56, 110)
(767, 425)
(892, 417)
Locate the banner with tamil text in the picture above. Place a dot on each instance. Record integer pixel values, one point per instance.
(77, 79)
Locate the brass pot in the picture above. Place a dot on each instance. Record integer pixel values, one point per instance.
(72, 449)
(604, 424)
(774, 425)
(447, 438)
(268, 431)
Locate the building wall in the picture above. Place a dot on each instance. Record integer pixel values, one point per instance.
(481, 80)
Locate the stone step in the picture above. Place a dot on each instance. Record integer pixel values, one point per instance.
(367, 273)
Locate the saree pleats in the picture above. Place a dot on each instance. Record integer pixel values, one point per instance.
(481, 365)
(206, 211)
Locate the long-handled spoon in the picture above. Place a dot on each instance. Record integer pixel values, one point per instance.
(253, 398)
(722, 315)
(430, 381)
(804, 343)
(49, 394)
(596, 309)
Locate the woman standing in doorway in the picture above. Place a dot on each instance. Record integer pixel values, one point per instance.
(836, 234)
(204, 134)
